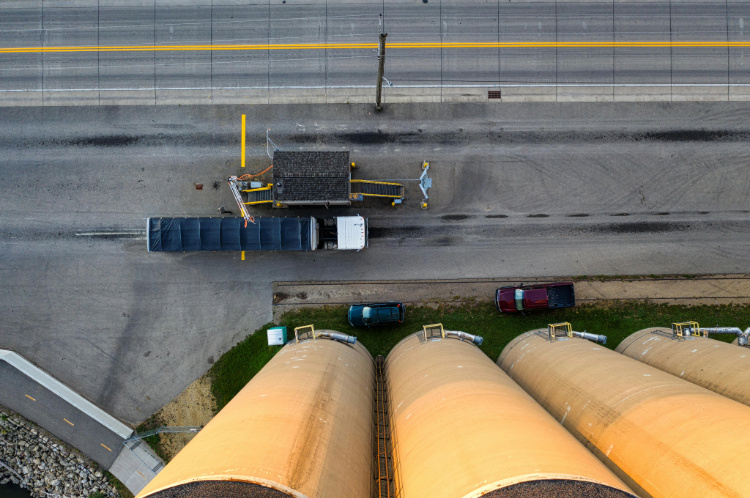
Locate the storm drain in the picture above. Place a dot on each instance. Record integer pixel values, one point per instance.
(494, 94)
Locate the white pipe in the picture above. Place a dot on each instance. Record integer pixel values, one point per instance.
(337, 336)
(599, 339)
(465, 337)
(722, 330)
(742, 337)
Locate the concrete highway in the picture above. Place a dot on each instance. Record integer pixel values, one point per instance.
(524, 53)
(519, 190)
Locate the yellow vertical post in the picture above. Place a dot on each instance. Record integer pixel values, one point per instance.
(243, 140)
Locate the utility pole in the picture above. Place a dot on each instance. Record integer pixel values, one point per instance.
(381, 70)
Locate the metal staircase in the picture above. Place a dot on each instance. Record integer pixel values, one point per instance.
(377, 189)
(259, 195)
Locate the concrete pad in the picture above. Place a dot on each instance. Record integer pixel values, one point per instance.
(13, 99)
(465, 95)
(127, 97)
(240, 96)
(128, 3)
(184, 97)
(739, 93)
(395, 95)
(22, 4)
(56, 4)
(136, 466)
(74, 97)
(529, 94)
(296, 96)
(351, 96)
(584, 94)
(699, 94)
(643, 94)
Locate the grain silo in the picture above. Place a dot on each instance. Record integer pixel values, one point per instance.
(662, 435)
(718, 366)
(462, 428)
(302, 427)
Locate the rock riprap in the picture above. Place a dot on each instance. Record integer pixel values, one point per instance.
(35, 460)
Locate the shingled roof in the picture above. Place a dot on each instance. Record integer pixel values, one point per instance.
(311, 177)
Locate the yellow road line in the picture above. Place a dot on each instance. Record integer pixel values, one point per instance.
(243, 255)
(243, 140)
(392, 45)
(105, 447)
(32, 399)
(68, 421)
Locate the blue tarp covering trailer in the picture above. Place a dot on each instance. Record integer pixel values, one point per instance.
(230, 234)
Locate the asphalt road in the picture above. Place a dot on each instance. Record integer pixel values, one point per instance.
(58, 416)
(301, 75)
(521, 190)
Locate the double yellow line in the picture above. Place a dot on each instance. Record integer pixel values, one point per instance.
(374, 46)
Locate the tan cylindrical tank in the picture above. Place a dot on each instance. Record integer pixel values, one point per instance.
(462, 428)
(715, 365)
(662, 435)
(303, 426)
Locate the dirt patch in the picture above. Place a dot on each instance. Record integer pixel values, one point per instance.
(279, 297)
(195, 406)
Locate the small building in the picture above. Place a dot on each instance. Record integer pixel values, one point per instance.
(311, 178)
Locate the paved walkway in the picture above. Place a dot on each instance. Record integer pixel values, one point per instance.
(39, 397)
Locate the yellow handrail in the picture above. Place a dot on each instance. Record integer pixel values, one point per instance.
(375, 181)
(553, 327)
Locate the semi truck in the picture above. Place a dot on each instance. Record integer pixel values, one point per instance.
(261, 234)
(513, 299)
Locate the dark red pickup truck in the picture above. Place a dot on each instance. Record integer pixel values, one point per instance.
(534, 297)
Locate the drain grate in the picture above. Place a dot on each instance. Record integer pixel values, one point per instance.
(494, 94)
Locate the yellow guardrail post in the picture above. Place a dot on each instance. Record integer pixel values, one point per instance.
(305, 329)
(682, 330)
(552, 329)
(433, 328)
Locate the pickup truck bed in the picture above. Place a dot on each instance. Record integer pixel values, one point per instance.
(560, 297)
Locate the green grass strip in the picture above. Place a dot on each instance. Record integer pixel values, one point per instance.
(615, 320)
